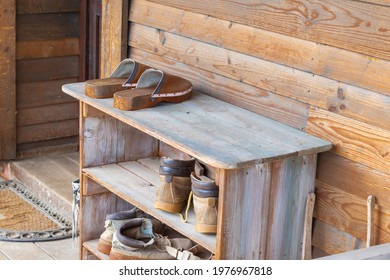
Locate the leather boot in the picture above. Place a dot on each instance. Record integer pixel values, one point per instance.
(112, 223)
(115, 220)
(205, 196)
(175, 186)
(135, 240)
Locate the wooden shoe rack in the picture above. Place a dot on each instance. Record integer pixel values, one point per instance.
(264, 170)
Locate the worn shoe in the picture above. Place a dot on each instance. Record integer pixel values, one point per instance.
(175, 184)
(205, 197)
(136, 240)
(126, 75)
(112, 223)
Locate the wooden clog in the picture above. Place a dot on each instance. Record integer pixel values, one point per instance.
(125, 75)
(154, 86)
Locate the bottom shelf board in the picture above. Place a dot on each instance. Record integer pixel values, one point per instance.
(91, 246)
(137, 183)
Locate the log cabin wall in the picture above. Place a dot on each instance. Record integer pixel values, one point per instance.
(318, 66)
(47, 56)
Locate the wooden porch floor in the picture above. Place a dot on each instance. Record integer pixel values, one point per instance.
(50, 177)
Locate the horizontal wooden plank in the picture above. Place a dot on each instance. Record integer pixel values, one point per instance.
(47, 6)
(352, 139)
(332, 240)
(338, 64)
(316, 90)
(136, 183)
(46, 69)
(265, 103)
(379, 252)
(59, 145)
(354, 178)
(51, 48)
(349, 213)
(46, 131)
(192, 125)
(345, 24)
(45, 114)
(34, 94)
(47, 26)
(379, 2)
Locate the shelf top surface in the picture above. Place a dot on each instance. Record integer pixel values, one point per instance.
(213, 131)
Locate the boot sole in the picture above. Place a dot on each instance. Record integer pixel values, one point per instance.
(114, 256)
(104, 246)
(203, 228)
(168, 207)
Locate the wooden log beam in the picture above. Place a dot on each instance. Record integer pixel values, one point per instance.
(7, 80)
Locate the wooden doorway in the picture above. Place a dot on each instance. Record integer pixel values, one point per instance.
(91, 21)
(7, 80)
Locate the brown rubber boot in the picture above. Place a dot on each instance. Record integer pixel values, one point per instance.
(205, 195)
(136, 240)
(175, 187)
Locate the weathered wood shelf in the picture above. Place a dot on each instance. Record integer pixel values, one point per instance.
(137, 182)
(91, 246)
(215, 132)
(264, 171)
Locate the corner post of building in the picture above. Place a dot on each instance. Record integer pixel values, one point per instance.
(115, 16)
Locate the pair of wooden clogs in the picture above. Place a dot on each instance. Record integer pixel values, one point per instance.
(136, 86)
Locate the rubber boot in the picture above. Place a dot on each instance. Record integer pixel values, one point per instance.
(175, 186)
(205, 197)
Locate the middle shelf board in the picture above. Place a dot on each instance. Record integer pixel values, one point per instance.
(137, 183)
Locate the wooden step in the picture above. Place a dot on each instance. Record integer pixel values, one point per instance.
(50, 177)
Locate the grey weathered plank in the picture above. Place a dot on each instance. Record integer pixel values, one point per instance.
(63, 249)
(23, 251)
(379, 252)
(141, 194)
(193, 125)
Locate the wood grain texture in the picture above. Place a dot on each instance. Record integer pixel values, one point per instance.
(138, 184)
(47, 6)
(316, 90)
(45, 114)
(90, 187)
(98, 141)
(46, 131)
(47, 26)
(192, 125)
(114, 41)
(46, 69)
(265, 103)
(7, 80)
(379, 252)
(349, 213)
(335, 63)
(308, 227)
(243, 214)
(51, 48)
(332, 240)
(351, 25)
(59, 145)
(43, 93)
(352, 139)
(107, 140)
(354, 178)
(292, 180)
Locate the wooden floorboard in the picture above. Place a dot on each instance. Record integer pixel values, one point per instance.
(61, 250)
(53, 174)
(23, 251)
